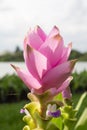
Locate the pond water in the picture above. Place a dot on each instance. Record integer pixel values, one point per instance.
(5, 67)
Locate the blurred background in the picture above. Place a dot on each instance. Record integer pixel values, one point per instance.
(16, 18)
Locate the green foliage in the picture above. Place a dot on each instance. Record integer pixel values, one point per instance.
(78, 55)
(10, 117)
(83, 57)
(82, 123)
(79, 82)
(81, 107)
(79, 113)
(12, 89)
(75, 54)
(17, 55)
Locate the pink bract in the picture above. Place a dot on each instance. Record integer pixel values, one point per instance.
(46, 59)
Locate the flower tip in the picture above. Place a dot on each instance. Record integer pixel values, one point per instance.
(70, 44)
(73, 62)
(58, 37)
(14, 66)
(28, 48)
(56, 27)
(71, 78)
(37, 27)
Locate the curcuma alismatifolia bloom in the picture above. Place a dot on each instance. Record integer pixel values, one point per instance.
(46, 59)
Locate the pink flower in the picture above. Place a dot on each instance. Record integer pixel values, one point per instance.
(64, 88)
(46, 59)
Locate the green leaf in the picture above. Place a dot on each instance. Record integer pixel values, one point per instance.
(52, 127)
(58, 122)
(82, 123)
(59, 97)
(82, 104)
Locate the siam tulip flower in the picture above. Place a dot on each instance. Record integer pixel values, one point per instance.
(46, 59)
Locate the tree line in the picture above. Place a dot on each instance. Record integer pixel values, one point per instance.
(17, 55)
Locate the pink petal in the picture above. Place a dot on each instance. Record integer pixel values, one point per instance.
(62, 88)
(67, 93)
(36, 63)
(27, 78)
(65, 84)
(65, 54)
(33, 40)
(54, 31)
(52, 49)
(41, 33)
(56, 76)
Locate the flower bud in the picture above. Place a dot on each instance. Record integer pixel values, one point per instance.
(26, 127)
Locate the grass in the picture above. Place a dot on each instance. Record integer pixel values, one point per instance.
(10, 117)
(76, 98)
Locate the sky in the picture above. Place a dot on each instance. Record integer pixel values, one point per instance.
(17, 16)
